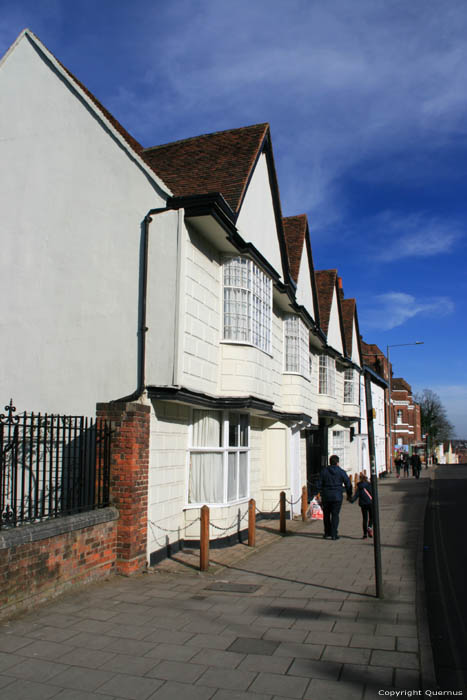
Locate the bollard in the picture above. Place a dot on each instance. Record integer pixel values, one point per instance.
(252, 522)
(304, 503)
(282, 511)
(204, 540)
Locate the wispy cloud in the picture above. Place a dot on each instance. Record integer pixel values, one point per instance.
(341, 86)
(393, 309)
(418, 235)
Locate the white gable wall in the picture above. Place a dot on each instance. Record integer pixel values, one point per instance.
(334, 328)
(72, 202)
(304, 293)
(256, 222)
(355, 354)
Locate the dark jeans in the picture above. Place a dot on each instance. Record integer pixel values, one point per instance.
(367, 518)
(331, 510)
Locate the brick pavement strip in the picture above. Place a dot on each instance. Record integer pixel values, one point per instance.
(313, 629)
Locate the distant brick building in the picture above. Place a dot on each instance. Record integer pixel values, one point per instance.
(406, 426)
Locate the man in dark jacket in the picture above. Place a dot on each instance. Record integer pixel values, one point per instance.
(331, 481)
(416, 465)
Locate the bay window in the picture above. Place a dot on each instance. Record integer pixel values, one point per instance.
(297, 346)
(327, 375)
(218, 457)
(247, 303)
(350, 387)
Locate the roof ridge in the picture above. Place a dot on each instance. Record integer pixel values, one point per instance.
(207, 135)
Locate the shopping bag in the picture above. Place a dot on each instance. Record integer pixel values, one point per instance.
(315, 512)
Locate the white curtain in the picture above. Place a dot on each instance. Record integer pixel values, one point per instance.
(206, 478)
(232, 480)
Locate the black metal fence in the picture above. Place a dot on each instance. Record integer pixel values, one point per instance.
(51, 466)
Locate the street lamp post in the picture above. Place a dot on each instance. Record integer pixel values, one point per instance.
(397, 345)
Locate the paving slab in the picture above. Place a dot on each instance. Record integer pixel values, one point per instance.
(312, 628)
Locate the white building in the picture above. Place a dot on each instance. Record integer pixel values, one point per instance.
(168, 275)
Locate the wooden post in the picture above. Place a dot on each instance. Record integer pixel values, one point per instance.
(204, 540)
(304, 502)
(252, 522)
(282, 511)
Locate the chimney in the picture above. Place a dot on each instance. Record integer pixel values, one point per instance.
(341, 289)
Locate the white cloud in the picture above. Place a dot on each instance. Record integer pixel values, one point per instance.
(369, 81)
(417, 235)
(393, 309)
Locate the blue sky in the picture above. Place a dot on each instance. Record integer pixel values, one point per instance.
(367, 104)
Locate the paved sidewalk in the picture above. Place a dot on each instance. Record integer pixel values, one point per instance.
(306, 623)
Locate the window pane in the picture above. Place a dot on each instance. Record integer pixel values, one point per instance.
(323, 375)
(247, 303)
(244, 422)
(232, 483)
(206, 429)
(243, 475)
(233, 429)
(206, 478)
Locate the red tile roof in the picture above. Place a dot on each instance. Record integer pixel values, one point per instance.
(399, 384)
(349, 308)
(219, 162)
(326, 284)
(295, 228)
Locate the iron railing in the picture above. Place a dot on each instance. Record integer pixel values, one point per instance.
(51, 466)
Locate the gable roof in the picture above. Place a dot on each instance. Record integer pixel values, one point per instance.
(327, 286)
(399, 384)
(295, 228)
(349, 315)
(219, 162)
(109, 121)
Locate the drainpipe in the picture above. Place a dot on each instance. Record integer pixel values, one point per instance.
(143, 329)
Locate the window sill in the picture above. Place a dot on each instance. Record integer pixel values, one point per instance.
(197, 506)
(298, 374)
(245, 344)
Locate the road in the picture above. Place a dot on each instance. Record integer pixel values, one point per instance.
(445, 562)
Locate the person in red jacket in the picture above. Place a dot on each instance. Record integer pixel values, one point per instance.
(364, 494)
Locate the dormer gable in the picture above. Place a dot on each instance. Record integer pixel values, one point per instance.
(300, 261)
(330, 309)
(351, 330)
(239, 165)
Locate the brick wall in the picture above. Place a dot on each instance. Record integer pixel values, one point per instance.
(129, 471)
(39, 561)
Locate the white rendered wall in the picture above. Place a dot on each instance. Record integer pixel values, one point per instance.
(355, 353)
(201, 305)
(256, 222)
(304, 293)
(334, 328)
(167, 474)
(247, 370)
(71, 204)
(163, 298)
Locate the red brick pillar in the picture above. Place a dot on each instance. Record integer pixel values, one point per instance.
(129, 470)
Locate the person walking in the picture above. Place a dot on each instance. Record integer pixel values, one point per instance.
(416, 465)
(398, 463)
(364, 493)
(405, 464)
(331, 481)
